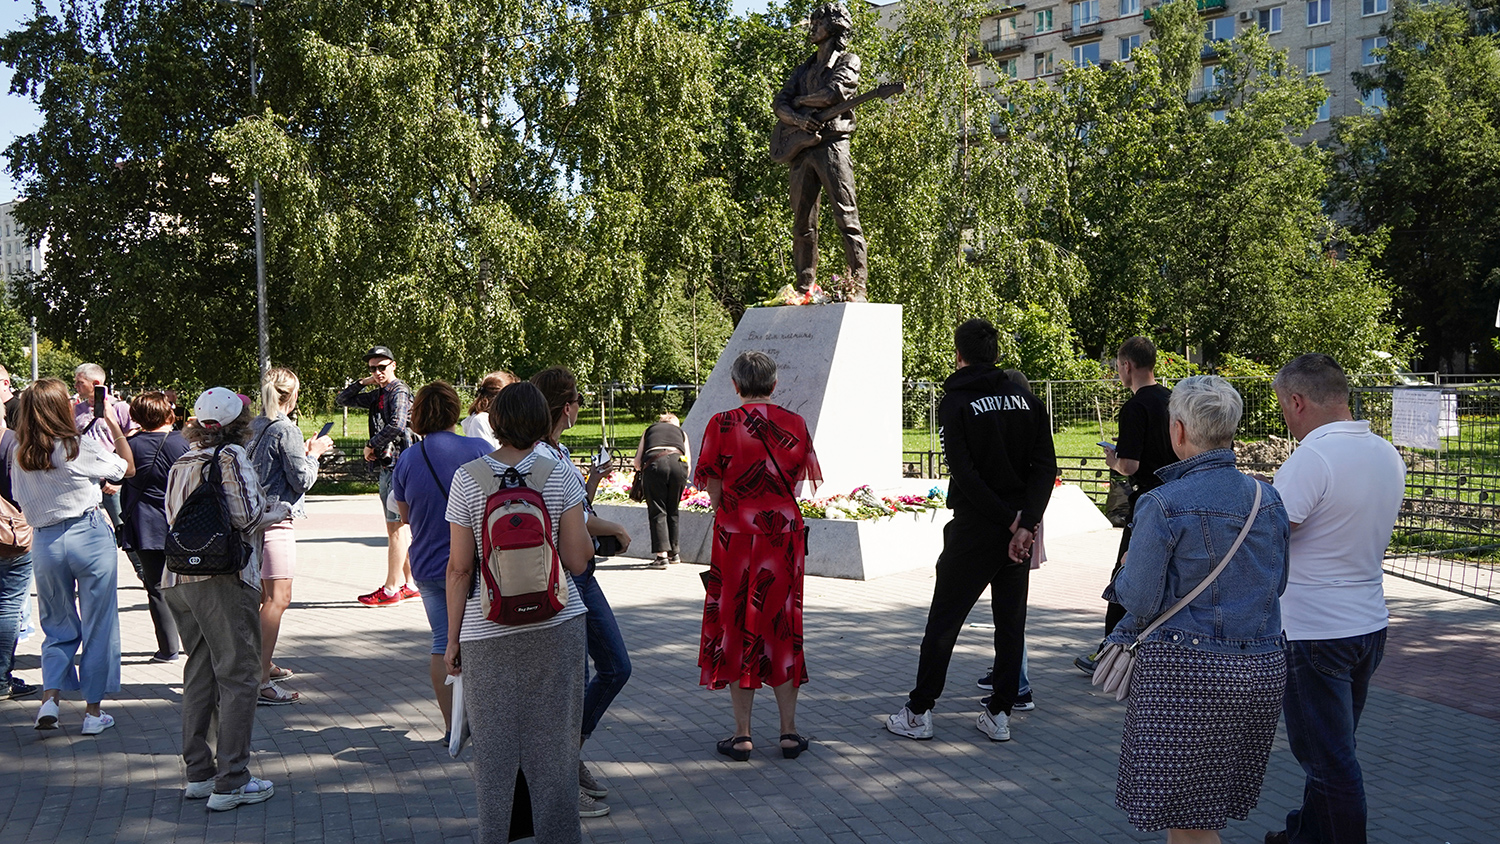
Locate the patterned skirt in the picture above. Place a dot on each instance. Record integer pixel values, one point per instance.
(752, 614)
(1198, 732)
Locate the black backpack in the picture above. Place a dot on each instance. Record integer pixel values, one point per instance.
(201, 541)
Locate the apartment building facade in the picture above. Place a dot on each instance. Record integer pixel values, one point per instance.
(1330, 39)
(18, 257)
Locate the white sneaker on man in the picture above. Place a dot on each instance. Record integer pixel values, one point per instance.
(46, 716)
(996, 726)
(198, 790)
(910, 724)
(254, 791)
(93, 725)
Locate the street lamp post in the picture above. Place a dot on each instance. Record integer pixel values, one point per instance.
(263, 339)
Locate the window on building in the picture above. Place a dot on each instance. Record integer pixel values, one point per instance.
(1212, 76)
(1044, 21)
(1325, 110)
(1129, 7)
(1220, 116)
(1043, 64)
(1319, 12)
(1128, 46)
(1367, 48)
(1011, 67)
(1374, 101)
(1319, 59)
(1219, 29)
(1086, 54)
(1270, 19)
(1005, 28)
(1375, 7)
(1085, 13)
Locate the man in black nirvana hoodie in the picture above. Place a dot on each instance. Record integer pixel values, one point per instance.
(997, 440)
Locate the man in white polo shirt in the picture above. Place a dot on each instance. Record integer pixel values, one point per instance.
(1342, 488)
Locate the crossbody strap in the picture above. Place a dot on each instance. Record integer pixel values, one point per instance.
(441, 488)
(780, 475)
(1188, 598)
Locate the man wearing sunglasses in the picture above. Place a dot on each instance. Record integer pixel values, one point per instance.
(389, 405)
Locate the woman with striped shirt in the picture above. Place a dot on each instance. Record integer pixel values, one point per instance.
(523, 684)
(56, 481)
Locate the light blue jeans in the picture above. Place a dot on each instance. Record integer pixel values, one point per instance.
(77, 573)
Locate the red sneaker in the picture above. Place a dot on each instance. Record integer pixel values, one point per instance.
(380, 598)
(406, 592)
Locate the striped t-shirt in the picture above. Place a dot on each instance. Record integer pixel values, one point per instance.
(466, 507)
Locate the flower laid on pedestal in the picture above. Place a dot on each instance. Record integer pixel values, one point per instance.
(859, 504)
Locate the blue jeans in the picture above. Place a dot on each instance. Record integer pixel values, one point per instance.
(15, 585)
(606, 648)
(77, 574)
(1326, 685)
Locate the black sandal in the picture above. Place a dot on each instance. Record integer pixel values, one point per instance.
(727, 747)
(793, 752)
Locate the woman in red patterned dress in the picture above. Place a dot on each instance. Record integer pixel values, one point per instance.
(751, 461)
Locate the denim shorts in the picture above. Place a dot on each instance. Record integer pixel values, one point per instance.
(387, 503)
(435, 601)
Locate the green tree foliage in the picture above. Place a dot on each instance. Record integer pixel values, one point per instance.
(1425, 172)
(512, 184)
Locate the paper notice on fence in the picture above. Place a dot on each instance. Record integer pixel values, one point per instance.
(1415, 417)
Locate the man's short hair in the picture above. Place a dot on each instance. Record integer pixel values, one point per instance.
(977, 342)
(519, 416)
(1139, 352)
(1209, 408)
(436, 408)
(1317, 378)
(754, 373)
(91, 371)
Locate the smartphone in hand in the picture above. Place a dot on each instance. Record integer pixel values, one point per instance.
(326, 428)
(98, 401)
(1105, 444)
(603, 458)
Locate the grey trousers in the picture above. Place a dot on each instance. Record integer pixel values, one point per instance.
(524, 698)
(219, 620)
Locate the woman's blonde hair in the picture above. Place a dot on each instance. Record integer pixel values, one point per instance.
(45, 416)
(276, 390)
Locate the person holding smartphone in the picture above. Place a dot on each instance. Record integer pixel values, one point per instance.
(94, 401)
(287, 466)
(390, 417)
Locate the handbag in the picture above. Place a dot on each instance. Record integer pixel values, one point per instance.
(638, 485)
(1117, 662)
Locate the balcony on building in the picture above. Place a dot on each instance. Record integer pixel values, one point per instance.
(1084, 29)
(1008, 45)
(1205, 7)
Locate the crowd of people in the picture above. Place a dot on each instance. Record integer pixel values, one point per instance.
(1235, 600)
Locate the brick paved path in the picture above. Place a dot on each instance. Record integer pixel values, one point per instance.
(357, 760)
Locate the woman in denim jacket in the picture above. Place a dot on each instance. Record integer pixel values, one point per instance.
(1207, 687)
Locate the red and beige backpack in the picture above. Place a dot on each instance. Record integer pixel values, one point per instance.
(523, 580)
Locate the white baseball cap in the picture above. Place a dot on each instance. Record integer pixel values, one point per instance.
(218, 406)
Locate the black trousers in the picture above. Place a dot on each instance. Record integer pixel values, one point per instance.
(1114, 612)
(664, 479)
(975, 555)
(152, 565)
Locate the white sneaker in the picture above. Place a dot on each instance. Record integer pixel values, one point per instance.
(909, 724)
(254, 791)
(198, 790)
(996, 726)
(93, 726)
(46, 717)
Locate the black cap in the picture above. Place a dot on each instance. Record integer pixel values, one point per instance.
(379, 352)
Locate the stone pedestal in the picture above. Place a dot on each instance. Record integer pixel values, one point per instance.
(839, 366)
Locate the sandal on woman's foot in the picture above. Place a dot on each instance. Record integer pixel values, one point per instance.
(796, 750)
(727, 747)
(274, 695)
(279, 673)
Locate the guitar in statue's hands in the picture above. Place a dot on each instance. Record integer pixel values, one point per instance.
(789, 139)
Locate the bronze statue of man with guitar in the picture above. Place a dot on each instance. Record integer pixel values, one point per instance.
(816, 118)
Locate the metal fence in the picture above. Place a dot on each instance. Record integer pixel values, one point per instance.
(1449, 530)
